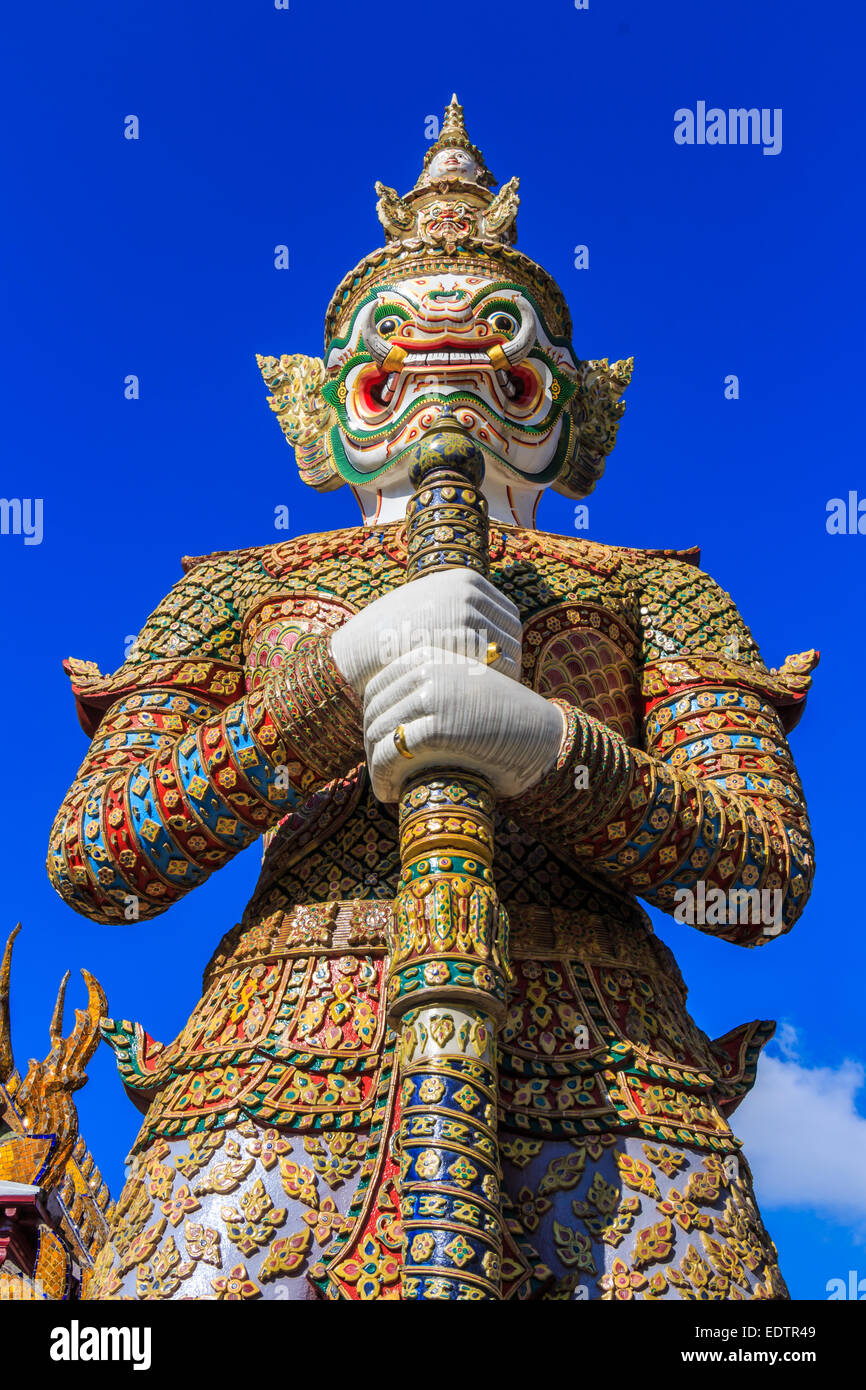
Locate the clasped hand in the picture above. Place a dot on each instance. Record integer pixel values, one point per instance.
(419, 657)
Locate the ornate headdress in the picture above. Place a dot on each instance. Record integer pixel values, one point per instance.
(453, 223)
(452, 136)
(450, 222)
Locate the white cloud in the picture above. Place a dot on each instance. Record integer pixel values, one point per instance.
(788, 1042)
(804, 1137)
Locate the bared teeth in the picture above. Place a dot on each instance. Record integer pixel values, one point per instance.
(386, 391)
(416, 360)
(508, 384)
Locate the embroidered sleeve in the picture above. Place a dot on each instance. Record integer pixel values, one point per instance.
(707, 820)
(184, 769)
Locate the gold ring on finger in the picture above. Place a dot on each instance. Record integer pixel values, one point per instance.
(400, 742)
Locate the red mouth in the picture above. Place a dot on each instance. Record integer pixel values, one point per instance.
(377, 387)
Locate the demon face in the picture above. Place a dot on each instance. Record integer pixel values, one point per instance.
(474, 348)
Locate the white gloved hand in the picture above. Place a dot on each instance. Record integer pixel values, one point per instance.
(456, 611)
(457, 713)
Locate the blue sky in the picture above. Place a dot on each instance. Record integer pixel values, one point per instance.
(155, 257)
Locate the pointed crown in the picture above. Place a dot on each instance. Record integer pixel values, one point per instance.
(451, 222)
(452, 136)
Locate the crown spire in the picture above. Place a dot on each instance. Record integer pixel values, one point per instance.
(454, 124)
(452, 200)
(451, 211)
(453, 155)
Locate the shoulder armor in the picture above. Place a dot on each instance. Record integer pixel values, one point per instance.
(190, 644)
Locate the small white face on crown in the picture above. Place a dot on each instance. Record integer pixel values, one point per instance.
(453, 164)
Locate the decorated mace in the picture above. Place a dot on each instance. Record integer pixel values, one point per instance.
(448, 968)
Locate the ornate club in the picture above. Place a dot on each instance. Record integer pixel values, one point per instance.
(446, 987)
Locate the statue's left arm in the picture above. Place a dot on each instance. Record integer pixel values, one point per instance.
(711, 806)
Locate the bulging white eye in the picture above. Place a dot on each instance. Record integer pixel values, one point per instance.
(503, 323)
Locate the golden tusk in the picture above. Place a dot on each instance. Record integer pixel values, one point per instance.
(493, 653)
(395, 359)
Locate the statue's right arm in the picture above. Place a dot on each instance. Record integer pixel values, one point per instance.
(184, 771)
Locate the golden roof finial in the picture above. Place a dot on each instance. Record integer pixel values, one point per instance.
(39, 1139)
(55, 1029)
(7, 1060)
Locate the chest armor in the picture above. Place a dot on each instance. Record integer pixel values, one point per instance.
(582, 649)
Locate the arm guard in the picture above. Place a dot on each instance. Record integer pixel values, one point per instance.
(181, 775)
(709, 814)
